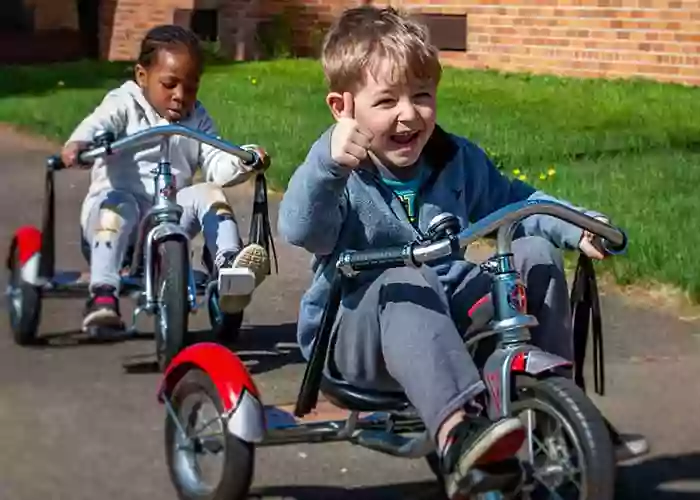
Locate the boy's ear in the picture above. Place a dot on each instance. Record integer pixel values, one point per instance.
(335, 103)
(140, 75)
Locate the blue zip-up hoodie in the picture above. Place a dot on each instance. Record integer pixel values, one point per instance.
(329, 208)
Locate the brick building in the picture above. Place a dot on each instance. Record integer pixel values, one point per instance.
(658, 39)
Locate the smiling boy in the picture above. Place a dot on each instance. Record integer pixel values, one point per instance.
(376, 178)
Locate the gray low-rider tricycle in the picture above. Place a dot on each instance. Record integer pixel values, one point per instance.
(215, 410)
(157, 271)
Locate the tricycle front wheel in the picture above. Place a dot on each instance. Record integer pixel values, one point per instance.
(209, 463)
(568, 451)
(172, 318)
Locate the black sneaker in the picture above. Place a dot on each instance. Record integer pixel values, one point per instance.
(102, 309)
(480, 456)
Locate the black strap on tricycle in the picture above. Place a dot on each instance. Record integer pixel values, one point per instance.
(585, 309)
(260, 230)
(48, 224)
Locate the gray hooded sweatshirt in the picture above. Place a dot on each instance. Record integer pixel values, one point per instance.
(328, 208)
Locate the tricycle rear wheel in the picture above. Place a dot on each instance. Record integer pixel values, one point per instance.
(23, 304)
(171, 320)
(192, 394)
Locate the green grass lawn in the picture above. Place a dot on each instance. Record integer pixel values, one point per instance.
(629, 149)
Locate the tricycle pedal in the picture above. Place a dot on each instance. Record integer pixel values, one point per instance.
(393, 444)
(236, 281)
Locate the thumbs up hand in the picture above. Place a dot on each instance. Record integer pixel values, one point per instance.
(349, 142)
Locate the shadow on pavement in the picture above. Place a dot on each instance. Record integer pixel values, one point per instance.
(262, 348)
(651, 479)
(661, 478)
(76, 338)
(405, 491)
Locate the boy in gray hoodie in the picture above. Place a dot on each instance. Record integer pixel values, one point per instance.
(163, 91)
(375, 179)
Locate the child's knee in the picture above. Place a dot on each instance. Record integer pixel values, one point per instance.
(211, 198)
(422, 276)
(117, 213)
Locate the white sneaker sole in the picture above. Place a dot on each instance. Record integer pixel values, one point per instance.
(102, 318)
(255, 258)
(236, 281)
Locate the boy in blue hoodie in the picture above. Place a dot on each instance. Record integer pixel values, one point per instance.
(376, 178)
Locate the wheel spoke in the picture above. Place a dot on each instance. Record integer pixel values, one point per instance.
(218, 418)
(553, 450)
(553, 495)
(212, 444)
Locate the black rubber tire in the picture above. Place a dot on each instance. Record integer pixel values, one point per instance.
(172, 269)
(25, 322)
(239, 466)
(587, 424)
(226, 328)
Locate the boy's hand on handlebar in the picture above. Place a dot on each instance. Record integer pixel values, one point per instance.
(70, 153)
(349, 142)
(590, 243)
(263, 162)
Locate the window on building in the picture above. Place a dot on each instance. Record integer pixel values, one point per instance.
(447, 31)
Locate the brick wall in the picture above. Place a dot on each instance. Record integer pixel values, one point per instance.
(657, 39)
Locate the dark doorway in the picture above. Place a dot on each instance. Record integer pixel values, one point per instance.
(16, 18)
(89, 23)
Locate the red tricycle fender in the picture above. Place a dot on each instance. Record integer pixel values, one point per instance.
(26, 245)
(536, 361)
(503, 362)
(238, 393)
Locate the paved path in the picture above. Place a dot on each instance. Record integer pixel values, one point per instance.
(76, 425)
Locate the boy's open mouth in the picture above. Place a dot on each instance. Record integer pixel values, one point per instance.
(405, 138)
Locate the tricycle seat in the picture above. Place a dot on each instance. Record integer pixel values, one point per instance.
(347, 396)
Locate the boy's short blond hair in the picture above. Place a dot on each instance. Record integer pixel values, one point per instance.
(363, 38)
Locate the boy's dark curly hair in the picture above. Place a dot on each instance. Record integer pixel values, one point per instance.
(169, 36)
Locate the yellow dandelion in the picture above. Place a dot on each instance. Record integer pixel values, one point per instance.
(522, 177)
(254, 81)
(551, 172)
(543, 177)
(516, 171)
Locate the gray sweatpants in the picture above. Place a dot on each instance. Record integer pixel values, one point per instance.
(400, 331)
(112, 224)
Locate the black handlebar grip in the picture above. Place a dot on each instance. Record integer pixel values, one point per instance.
(377, 259)
(55, 163)
(615, 249)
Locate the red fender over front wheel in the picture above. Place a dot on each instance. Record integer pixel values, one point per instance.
(239, 395)
(535, 362)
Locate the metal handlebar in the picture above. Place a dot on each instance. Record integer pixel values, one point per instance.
(108, 147)
(504, 220)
